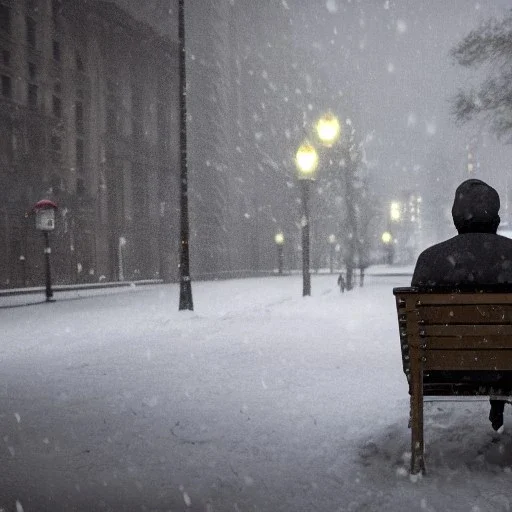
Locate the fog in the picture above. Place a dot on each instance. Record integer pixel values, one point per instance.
(260, 77)
(319, 141)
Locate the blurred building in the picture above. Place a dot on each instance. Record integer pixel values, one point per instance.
(406, 225)
(89, 117)
(240, 134)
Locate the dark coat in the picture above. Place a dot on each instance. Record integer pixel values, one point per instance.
(467, 259)
(477, 255)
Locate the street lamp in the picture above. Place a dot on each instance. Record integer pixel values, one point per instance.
(120, 255)
(395, 211)
(387, 240)
(332, 241)
(279, 240)
(306, 160)
(329, 131)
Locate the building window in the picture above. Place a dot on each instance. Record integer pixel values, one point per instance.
(111, 120)
(31, 32)
(31, 71)
(6, 86)
(56, 106)
(56, 144)
(79, 116)
(80, 186)
(55, 7)
(32, 95)
(56, 50)
(6, 57)
(79, 154)
(5, 18)
(79, 62)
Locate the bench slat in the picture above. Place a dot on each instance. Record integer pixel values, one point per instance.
(467, 360)
(462, 389)
(462, 298)
(461, 330)
(468, 342)
(476, 313)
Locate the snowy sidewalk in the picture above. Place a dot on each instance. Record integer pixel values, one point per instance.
(259, 400)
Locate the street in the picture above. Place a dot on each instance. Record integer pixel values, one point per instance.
(259, 400)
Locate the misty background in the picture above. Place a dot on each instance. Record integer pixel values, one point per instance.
(259, 76)
(260, 73)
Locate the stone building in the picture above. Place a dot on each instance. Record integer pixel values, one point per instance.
(89, 117)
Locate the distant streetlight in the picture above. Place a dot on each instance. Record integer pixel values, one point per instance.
(328, 129)
(306, 160)
(332, 242)
(120, 254)
(279, 240)
(395, 211)
(387, 240)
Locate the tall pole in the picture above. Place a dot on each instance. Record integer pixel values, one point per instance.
(47, 251)
(351, 218)
(185, 283)
(306, 276)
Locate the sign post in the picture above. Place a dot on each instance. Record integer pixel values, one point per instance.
(45, 222)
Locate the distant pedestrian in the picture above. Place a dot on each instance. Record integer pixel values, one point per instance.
(341, 283)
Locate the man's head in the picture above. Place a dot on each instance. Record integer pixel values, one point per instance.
(475, 208)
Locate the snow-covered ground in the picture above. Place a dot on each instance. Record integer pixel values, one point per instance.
(259, 400)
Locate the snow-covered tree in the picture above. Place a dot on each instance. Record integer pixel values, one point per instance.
(488, 47)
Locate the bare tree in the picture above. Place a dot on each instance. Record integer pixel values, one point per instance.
(489, 47)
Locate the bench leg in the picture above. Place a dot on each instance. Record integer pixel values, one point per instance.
(417, 456)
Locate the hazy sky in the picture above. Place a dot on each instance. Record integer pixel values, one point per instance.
(391, 58)
(388, 60)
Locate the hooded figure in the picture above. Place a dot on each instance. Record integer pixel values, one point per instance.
(477, 256)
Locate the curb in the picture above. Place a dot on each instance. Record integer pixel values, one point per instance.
(74, 287)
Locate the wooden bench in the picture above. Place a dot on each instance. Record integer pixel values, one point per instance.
(454, 343)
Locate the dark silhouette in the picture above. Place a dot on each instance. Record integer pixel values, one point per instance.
(341, 282)
(477, 256)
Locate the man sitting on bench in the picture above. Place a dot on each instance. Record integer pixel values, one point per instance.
(477, 256)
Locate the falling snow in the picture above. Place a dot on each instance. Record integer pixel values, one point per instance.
(332, 6)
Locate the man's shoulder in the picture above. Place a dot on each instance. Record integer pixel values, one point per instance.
(505, 240)
(465, 239)
(440, 247)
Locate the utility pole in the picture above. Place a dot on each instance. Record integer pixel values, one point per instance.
(185, 283)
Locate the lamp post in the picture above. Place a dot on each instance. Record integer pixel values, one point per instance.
(120, 255)
(387, 240)
(185, 283)
(279, 240)
(332, 242)
(306, 160)
(329, 131)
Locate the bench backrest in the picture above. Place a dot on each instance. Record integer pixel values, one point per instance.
(465, 331)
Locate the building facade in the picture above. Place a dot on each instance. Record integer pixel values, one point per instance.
(89, 116)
